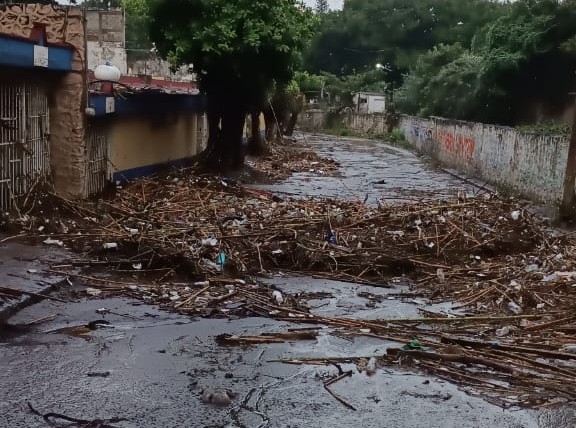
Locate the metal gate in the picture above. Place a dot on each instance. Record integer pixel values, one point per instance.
(24, 147)
(97, 147)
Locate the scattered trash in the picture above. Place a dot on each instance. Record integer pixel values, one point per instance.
(440, 275)
(50, 241)
(516, 215)
(331, 237)
(93, 292)
(210, 242)
(277, 295)
(504, 331)
(514, 308)
(571, 348)
(414, 345)
(221, 261)
(110, 246)
(371, 367)
(218, 397)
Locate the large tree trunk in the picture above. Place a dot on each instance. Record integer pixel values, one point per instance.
(226, 115)
(256, 145)
(291, 124)
(273, 131)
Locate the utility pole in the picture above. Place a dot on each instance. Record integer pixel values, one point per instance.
(568, 207)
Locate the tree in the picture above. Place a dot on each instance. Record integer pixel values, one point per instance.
(525, 58)
(394, 32)
(239, 50)
(322, 6)
(138, 44)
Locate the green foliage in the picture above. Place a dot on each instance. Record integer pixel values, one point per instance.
(549, 128)
(138, 44)
(247, 43)
(394, 32)
(309, 83)
(524, 56)
(322, 6)
(397, 138)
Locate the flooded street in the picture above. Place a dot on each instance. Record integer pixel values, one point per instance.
(371, 171)
(158, 369)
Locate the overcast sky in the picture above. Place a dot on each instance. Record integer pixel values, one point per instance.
(334, 4)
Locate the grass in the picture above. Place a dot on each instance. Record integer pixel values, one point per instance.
(550, 128)
(506, 190)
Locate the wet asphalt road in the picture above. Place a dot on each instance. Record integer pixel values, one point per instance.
(151, 367)
(371, 171)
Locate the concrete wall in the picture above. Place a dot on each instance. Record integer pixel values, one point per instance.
(106, 39)
(138, 145)
(312, 120)
(532, 164)
(64, 25)
(373, 124)
(158, 68)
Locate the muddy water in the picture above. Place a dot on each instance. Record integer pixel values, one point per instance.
(152, 367)
(371, 171)
(158, 364)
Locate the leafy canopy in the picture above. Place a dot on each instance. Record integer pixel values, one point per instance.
(239, 46)
(526, 55)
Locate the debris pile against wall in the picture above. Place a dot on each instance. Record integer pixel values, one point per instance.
(532, 164)
(199, 242)
(64, 25)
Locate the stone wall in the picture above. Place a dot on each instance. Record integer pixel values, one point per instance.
(106, 39)
(532, 164)
(64, 25)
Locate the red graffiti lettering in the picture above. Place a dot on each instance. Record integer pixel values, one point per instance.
(456, 144)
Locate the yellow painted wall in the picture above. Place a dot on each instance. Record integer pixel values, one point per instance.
(248, 129)
(135, 142)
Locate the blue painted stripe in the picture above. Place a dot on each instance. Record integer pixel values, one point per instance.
(149, 104)
(20, 53)
(148, 170)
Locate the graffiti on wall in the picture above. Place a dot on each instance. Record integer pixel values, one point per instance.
(456, 144)
(421, 133)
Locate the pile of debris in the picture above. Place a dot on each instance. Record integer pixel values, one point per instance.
(283, 160)
(195, 245)
(468, 250)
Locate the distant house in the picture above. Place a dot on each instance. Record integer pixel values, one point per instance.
(369, 102)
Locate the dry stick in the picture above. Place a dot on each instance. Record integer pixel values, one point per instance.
(548, 367)
(513, 348)
(455, 373)
(43, 296)
(12, 237)
(42, 320)
(193, 296)
(259, 257)
(546, 325)
(89, 278)
(339, 399)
